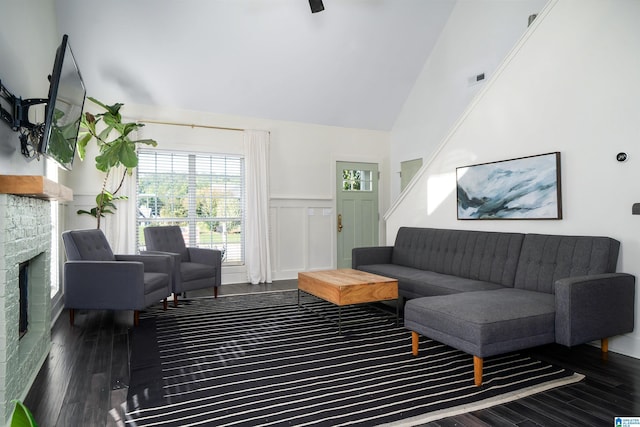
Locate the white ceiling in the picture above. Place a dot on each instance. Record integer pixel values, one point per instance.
(352, 65)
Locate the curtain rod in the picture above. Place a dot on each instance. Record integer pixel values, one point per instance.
(158, 122)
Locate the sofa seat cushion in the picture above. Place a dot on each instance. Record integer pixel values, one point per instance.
(485, 323)
(194, 271)
(414, 283)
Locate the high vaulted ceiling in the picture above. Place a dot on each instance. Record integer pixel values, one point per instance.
(351, 65)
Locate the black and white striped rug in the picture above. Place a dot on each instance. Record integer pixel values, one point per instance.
(260, 360)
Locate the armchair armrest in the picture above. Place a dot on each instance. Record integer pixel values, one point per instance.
(104, 285)
(209, 257)
(205, 256)
(371, 255)
(153, 263)
(594, 307)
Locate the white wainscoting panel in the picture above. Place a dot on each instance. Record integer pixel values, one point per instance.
(321, 246)
(302, 236)
(290, 238)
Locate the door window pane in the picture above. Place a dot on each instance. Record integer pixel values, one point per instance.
(357, 180)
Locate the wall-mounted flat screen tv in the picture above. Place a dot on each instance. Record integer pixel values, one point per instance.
(64, 108)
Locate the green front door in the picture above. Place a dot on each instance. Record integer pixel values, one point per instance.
(356, 208)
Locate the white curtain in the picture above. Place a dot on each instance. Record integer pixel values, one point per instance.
(119, 227)
(257, 257)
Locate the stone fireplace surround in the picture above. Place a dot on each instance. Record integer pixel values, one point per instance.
(25, 235)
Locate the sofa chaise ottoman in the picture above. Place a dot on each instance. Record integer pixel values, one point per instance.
(489, 293)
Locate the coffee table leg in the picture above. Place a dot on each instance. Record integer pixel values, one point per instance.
(298, 299)
(340, 320)
(398, 311)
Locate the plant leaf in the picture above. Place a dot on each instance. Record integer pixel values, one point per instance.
(114, 109)
(127, 155)
(82, 145)
(151, 142)
(83, 212)
(104, 134)
(95, 101)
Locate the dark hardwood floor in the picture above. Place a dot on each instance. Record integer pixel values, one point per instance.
(85, 378)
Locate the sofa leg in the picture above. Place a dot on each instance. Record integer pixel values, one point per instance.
(164, 304)
(136, 317)
(215, 292)
(604, 348)
(175, 300)
(72, 316)
(415, 340)
(477, 370)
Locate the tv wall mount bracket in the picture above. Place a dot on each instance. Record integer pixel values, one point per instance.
(15, 112)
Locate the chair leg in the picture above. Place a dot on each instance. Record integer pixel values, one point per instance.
(136, 317)
(477, 370)
(415, 339)
(72, 316)
(164, 304)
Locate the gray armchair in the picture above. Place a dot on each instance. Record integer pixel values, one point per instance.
(195, 268)
(96, 279)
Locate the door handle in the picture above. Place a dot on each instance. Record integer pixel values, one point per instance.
(339, 223)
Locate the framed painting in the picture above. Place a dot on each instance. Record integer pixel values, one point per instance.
(523, 188)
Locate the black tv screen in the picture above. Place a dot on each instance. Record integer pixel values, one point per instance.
(64, 108)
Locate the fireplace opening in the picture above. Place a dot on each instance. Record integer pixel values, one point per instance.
(23, 281)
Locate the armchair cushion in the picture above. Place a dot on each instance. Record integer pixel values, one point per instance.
(154, 282)
(194, 271)
(87, 245)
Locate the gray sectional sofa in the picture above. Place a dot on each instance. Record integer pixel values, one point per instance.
(489, 293)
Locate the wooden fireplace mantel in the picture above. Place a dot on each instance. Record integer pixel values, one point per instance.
(34, 186)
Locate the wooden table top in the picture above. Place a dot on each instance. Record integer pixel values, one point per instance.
(346, 277)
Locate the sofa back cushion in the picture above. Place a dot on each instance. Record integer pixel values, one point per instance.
(547, 258)
(478, 255)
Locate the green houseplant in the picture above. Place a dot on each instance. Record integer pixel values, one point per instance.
(116, 148)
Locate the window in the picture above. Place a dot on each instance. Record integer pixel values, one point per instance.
(202, 193)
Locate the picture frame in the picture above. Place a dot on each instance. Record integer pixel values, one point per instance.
(522, 188)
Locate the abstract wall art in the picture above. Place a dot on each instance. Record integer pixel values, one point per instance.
(523, 188)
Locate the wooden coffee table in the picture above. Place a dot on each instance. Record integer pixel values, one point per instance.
(346, 287)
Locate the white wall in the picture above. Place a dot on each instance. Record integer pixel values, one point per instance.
(476, 39)
(302, 182)
(28, 42)
(571, 86)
